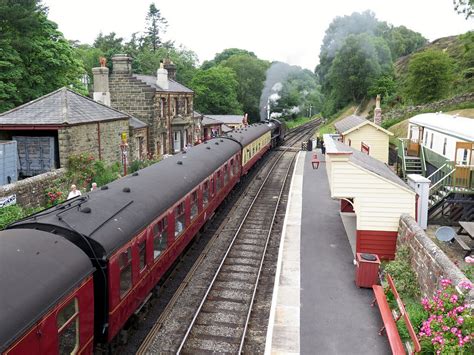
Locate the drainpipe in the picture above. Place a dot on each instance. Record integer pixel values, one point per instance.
(98, 139)
(170, 144)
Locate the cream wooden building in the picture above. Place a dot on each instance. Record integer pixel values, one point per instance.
(365, 136)
(377, 196)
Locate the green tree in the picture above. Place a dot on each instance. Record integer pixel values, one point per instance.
(430, 74)
(402, 41)
(224, 55)
(36, 59)
(465, 7)
(354, 69)
(250, 74)
(156, 24)
(216, 91)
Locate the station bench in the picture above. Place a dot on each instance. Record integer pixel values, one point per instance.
(315, 161)
(390, 323)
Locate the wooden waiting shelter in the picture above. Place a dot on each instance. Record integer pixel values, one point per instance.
(377, 196)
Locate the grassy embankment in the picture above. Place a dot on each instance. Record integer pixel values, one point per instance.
(299, 121)
(328, 127)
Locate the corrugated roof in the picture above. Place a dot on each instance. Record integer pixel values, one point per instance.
(173, 86)
(366, 162)
(60, 107)
(458, 126)
(348, 123)
(228, 119)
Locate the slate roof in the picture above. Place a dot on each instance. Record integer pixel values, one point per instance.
(173, 86)
(225, 128)
(60, 107)
(348, 123)
(136, 123)
(365, 161)
(208, 121)
(351, 123)
(228, 119)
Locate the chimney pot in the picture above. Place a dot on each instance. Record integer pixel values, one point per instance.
(377, 111)
(101, 85)
(162, 77)
(171, 68)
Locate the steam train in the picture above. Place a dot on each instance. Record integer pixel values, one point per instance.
(72, 275)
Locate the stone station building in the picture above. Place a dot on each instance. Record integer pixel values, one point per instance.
(160, 101)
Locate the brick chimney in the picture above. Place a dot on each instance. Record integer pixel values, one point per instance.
(162, 77)
(377, 111)
(101, 83)
(121, 64)
(171, 68)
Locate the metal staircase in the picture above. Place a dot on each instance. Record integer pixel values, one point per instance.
(413, 165)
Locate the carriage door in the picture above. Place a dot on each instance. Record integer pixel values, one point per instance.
(464, 161)
(416, 134)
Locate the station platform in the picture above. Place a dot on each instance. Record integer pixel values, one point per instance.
(316, 306)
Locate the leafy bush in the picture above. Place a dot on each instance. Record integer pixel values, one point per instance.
(54, 195)
(403, 275)
(103, 174)
(13, 213)
(141, 164)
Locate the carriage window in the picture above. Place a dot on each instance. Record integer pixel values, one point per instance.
(226, 175)
(180, 221)
(160, 237)
(231, 168)
(205, 193)
(236, 168)
(68, 328)
(142, 254)
(194, 204)
(218, 181)
(125, 264)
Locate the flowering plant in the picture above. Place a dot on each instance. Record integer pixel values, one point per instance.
(449, 326)
(54, 196)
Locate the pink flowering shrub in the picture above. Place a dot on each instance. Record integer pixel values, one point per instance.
(450, 325)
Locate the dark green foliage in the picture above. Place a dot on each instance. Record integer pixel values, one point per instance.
(156, 24)
(402, 41)
(417, 315)
(141, 164)
(465, 7)
(250, 75)
(103, 174)
(403, 275)
(224, 55)
(36, 66)
(215, 91)
(13, 213)
(430, 76)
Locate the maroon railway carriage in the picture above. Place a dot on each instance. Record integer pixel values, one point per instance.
(46, 296)
(135, 228)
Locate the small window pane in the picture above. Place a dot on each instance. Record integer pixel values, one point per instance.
(218, 181)
(226, 175)
(205, 193)
(194, 205)
(160, 237)
(125, 272)
(142, 254)
(68, 328)
(180, 221)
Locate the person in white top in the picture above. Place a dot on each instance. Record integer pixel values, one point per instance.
(94, 186)
(74, 192)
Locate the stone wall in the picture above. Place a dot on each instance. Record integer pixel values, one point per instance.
(430, 107)
(31, 192)
(84, 138)
(429, 262)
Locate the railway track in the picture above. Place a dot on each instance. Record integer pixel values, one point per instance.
(213, 309)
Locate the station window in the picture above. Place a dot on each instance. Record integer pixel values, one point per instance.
(180, 219)
(160, 237)
(194, 205)
(226, 175)
(219, 183)
(125, 264)
(205, 193)
(142, 254)
(68, 328)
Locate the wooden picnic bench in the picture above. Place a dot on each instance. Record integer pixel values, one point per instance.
(465, 228)
(390, 323)
(315, 161)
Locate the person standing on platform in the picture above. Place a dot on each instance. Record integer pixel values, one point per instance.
(323, 148)
(74, 192)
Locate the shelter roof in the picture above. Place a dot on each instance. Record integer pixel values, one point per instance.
(61, 107)
(353, 122)
(363, 160)
(228, 119)
(458, 126)
(136, 123)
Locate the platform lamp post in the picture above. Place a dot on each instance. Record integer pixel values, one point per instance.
(124, 150)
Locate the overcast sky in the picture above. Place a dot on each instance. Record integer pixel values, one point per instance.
(289, 31)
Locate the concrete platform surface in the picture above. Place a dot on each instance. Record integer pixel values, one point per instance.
(328, 314)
